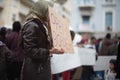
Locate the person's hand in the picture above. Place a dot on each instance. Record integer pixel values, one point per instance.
(80, 45)
(56, 51)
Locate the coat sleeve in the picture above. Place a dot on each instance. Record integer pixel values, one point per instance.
(30, 45)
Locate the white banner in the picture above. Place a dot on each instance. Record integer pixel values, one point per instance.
(82, 56)
(87, 56)
(103, 63)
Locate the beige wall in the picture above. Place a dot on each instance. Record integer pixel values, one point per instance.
(12, 8)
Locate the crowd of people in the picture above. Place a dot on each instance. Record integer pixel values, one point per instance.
(14, 67)
(25, 51)
(107, 46)
(104, 47)
(13, 57)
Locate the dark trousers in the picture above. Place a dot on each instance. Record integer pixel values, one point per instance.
(3, 76)
(118, 63)
(14, 70)
(87, 73)
(3, 71)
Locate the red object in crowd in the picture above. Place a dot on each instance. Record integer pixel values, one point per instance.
(66, 75)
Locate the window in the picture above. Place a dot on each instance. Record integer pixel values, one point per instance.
(86, 19)
(1, 1)
(14, 17)
(0, 14)
(86, 1)
(109, 17)
(109, 1)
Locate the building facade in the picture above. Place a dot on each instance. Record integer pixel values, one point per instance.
(13, 10)
(96, 16)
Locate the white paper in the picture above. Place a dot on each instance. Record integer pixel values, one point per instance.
(87, 56)
(82, 56)
(103, 63)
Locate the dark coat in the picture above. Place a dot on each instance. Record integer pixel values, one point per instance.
(112, 50)
(4, 58)
(12, 44)
(36, 46)
(118, 63)
(105, 44)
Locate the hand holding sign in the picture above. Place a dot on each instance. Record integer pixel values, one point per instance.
(56, 51)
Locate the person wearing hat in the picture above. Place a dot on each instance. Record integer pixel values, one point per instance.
(36, 44)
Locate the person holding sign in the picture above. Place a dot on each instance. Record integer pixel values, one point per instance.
(36, 44)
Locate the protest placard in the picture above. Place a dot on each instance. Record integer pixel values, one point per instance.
(60, 32)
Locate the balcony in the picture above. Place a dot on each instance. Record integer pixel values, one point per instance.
(86, 4)
(109, 3)
(84, 28)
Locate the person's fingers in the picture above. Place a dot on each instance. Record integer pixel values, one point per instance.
(62, 49)
(57, 51)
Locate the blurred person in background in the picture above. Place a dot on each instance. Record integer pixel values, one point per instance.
(118, 60)
(82, 43)
(8, 32)
(88, 72)
(111, 73)
(14, 68)
(79, 73)
(5, 55)
(92, 44)
(36, 44)
(98, 45)
(105, 44)
(112, 49)
(3, 34)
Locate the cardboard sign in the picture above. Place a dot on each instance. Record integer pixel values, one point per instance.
(60, 32)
